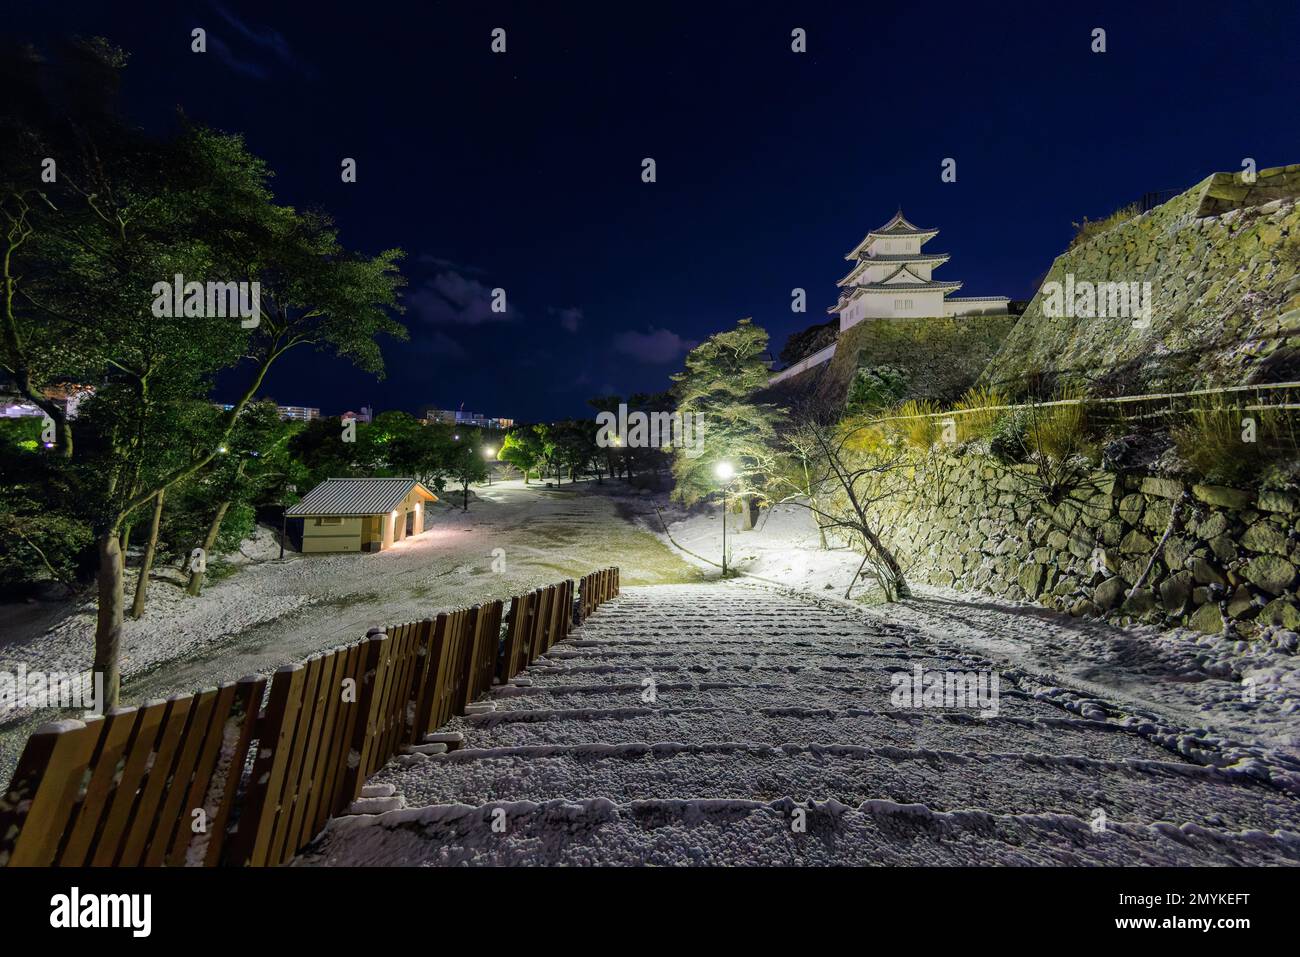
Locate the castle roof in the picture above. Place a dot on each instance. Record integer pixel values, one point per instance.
(893, 258)
(896, 227)
(901, 279)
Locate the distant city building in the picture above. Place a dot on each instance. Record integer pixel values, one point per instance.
(68, 397)
(298, 413)
(456, 417)
(366, 415)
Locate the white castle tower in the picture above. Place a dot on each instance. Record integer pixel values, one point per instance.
(891, 278)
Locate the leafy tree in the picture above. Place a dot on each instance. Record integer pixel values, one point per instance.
(467, 465)
(807, 341)
(575, 442)
(612, 455)
(37, 543)
(250, 460)
(549, 450)
(722, 377)
(79, 258)
(416, 449)
(522, 448)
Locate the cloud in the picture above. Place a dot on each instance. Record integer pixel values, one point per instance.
(570, 318)
(454, 298)
(270, 43)
(656, 346)
(227, 56)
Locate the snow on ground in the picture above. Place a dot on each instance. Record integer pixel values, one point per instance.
(746, 724)
(1200, 680)
(271, 612)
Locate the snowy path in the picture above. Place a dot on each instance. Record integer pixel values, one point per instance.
(772, 739)
(512, 539)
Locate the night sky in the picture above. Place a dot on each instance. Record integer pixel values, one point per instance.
(523, 170)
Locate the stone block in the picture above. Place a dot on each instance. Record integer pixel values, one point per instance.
(1271, 573)
(1264, 536)
(1270, 501)
(1222, 496)
(1207, 619)
(1162, 487)
(1135, 543)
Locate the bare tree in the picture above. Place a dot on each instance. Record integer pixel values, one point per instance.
(827, 464)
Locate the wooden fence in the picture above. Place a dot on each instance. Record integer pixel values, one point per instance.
(244, 774)
(597, 588)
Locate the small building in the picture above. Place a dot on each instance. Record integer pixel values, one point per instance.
(360, 514)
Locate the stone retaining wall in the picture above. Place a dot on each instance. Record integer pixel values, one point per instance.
(1225, 296)
(1230, 561)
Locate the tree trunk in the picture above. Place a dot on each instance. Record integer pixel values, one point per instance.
(747, 510)
(209, 541)
(108, 624)
(146, 564)
(817, 517)
(895, 584)
(123, 542)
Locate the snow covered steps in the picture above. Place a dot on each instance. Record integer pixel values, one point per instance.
(597, 831)
(701, 724)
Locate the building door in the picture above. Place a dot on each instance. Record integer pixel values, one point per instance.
(410, 523)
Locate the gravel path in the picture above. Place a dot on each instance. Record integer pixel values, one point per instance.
(774, 736)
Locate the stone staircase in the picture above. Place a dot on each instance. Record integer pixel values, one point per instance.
(729, 724)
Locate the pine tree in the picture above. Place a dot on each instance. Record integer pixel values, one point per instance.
(722, 378)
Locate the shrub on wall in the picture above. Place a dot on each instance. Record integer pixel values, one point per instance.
(1007, 439)
(981, 405)
(1060, 432)
(1229, 444)
(1089, 228)
(915, 424)
(875, 388)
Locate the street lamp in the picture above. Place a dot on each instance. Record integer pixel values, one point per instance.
(487, 454)
(725, 474)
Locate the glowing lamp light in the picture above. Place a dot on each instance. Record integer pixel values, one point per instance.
(489, 451)
(725, 473)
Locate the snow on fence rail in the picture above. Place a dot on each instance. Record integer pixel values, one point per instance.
(243, 775)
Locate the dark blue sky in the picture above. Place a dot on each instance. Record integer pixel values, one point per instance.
(522, 170)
